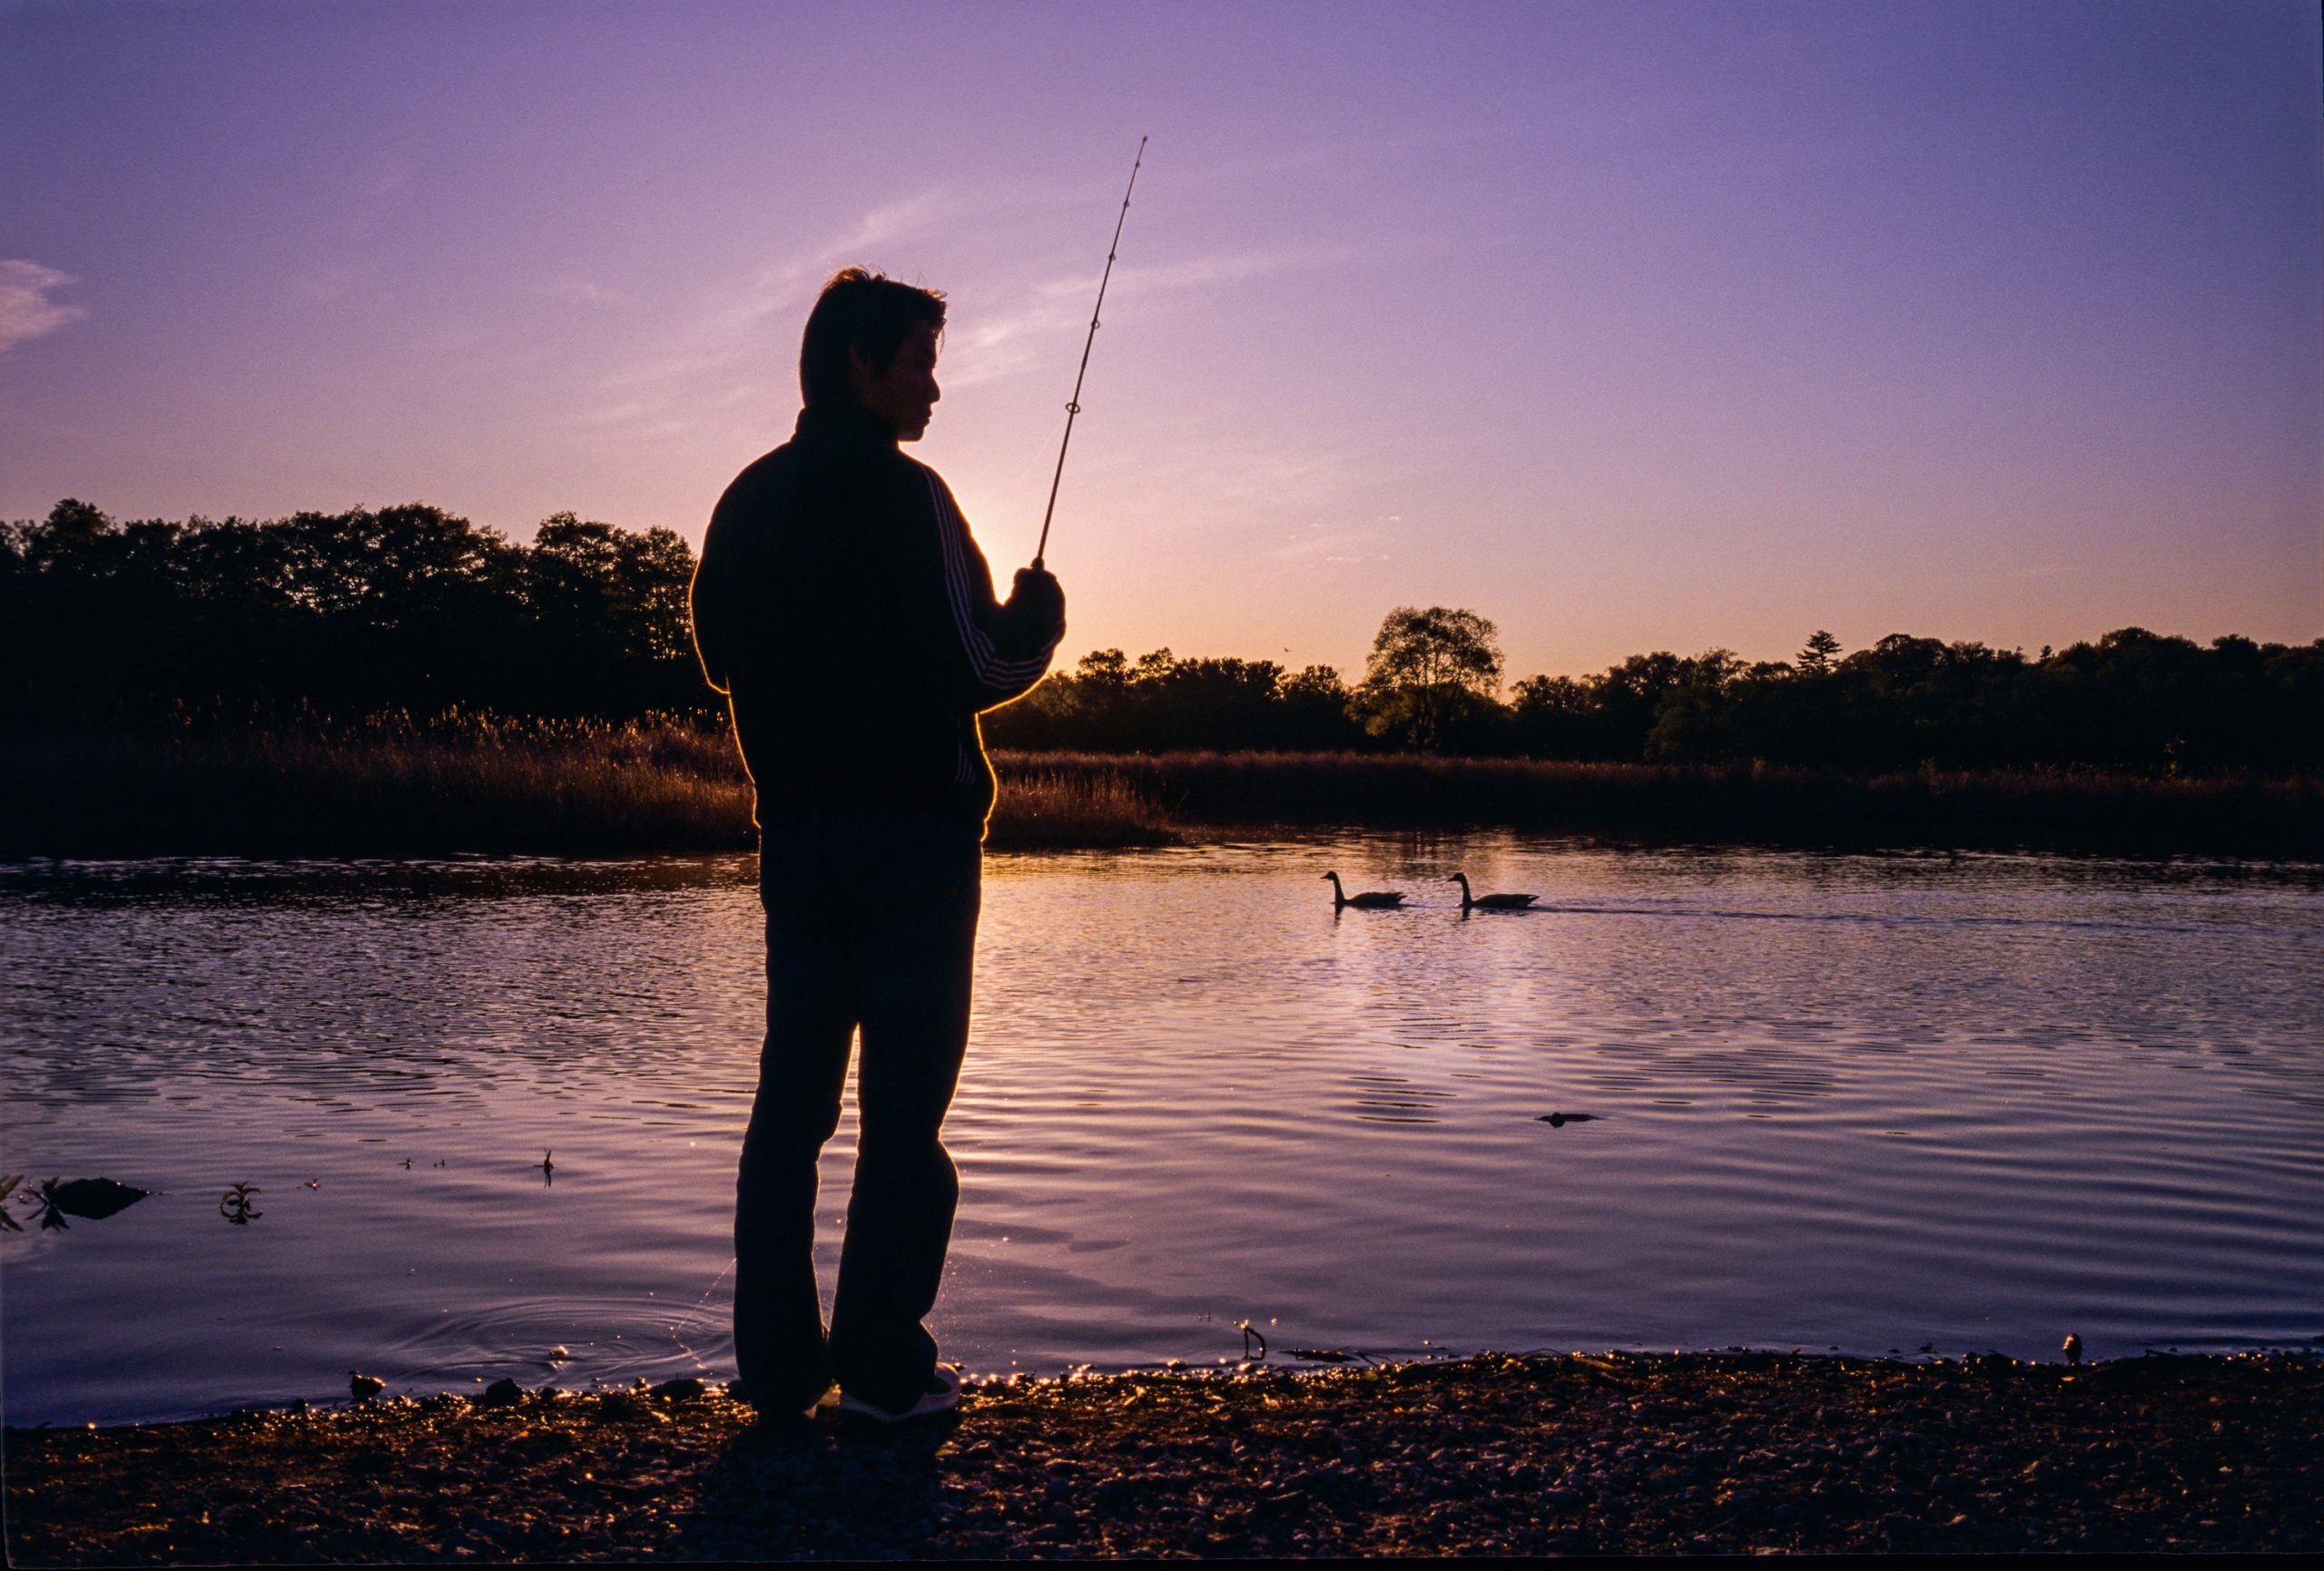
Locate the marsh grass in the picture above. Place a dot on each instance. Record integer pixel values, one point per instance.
(1040, 808)
(383, 785)
(399, 785)
(2241, 814)
(467, 783)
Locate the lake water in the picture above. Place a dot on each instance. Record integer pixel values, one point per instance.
(1864, 1103)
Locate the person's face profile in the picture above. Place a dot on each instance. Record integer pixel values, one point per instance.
(904, 394)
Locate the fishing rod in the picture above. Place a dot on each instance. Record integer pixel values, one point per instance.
(1073, 407)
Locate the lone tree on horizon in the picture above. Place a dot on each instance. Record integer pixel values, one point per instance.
(1427, 671)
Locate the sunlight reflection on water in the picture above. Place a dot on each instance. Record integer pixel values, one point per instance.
(1865, 1101)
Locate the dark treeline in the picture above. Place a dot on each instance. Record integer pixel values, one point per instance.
(105, 624)
(2133, 700)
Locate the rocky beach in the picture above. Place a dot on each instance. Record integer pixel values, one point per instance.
(1614, 1453)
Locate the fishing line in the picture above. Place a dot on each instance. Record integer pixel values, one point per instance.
(680, 1341)
(1073, 406)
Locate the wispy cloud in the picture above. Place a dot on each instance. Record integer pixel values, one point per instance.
(1210, 271)
(715, 357)
(27, 311)
(580, 292)
(1221, 480)
(993, 345)
(1318, 542)
(690, 370)
(1056, 310)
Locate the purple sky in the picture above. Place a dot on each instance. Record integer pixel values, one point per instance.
(1629, 325)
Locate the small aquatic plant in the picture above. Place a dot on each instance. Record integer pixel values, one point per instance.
(235, 1206)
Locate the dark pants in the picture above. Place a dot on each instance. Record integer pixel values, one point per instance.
(870, 923)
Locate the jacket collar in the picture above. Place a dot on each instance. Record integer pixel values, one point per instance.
(844, 421)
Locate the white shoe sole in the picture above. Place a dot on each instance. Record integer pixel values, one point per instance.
(930, 1406)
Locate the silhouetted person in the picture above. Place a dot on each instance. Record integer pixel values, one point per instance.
(845, 611)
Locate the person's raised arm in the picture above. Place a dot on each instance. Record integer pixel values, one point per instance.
(1005, 649)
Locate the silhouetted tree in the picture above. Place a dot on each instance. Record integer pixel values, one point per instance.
(1159, 701)
(1554, 717)
(1693, 722)
(351, 612)
(1429, 673)
(1315, 705)
(109, 623)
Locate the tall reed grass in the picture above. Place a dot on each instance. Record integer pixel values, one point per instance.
(383, 785)
(398, 785)
(2234, 815)
(1040, 808)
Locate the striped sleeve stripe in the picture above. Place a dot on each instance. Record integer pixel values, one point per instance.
(984, 660)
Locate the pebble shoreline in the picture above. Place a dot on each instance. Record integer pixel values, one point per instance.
(1609, 1454)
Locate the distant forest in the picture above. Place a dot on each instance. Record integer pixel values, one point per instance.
(107, 625)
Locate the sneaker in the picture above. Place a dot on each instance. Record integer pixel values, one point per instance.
(944, 1395)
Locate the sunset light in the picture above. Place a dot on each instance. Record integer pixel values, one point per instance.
(1632, 327)
(1230, 779)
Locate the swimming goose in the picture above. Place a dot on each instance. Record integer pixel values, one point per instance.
(1490, 902)
(1369, 900)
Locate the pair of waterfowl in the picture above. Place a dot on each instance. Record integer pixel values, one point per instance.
(1380, 900)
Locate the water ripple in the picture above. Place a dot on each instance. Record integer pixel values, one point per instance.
(1860, 1100)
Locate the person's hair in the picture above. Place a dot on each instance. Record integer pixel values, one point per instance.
(860, 310)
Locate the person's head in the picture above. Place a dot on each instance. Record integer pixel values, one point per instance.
(873, 341)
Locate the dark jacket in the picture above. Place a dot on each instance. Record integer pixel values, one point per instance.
(845, 611)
